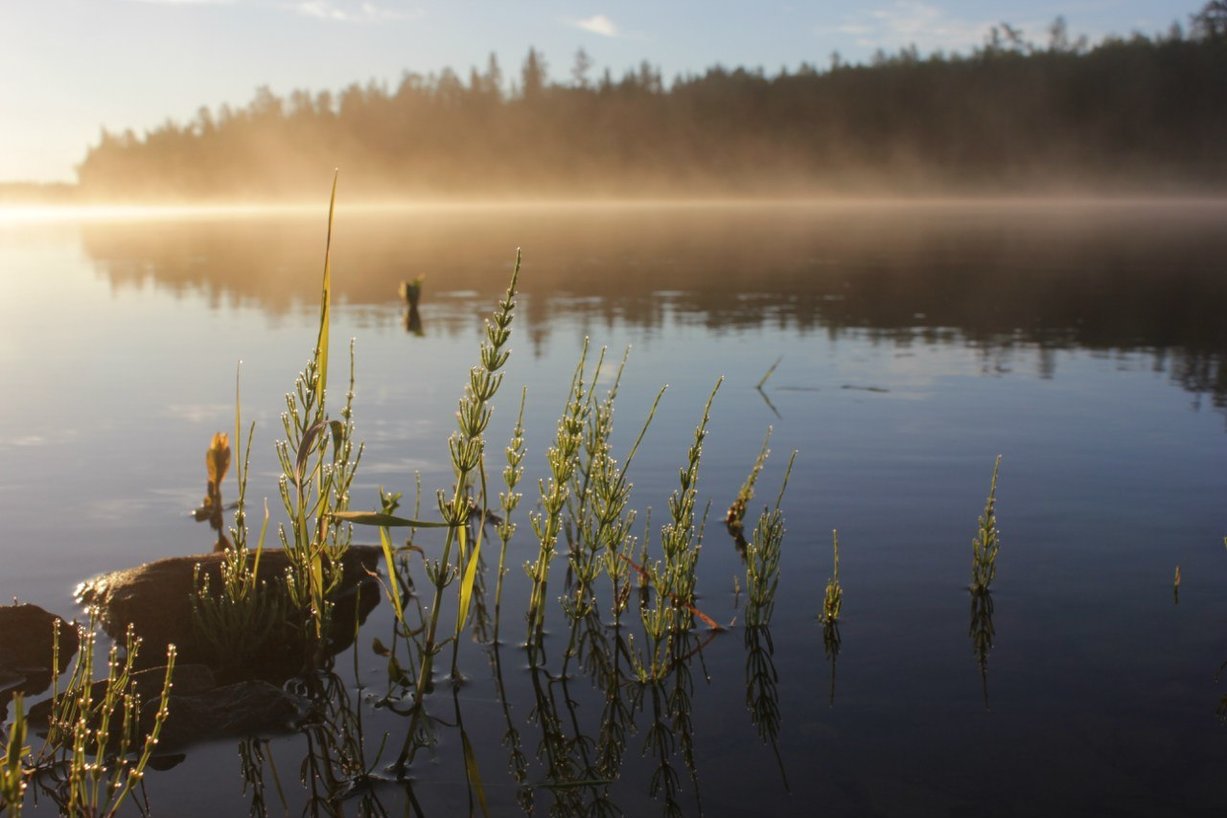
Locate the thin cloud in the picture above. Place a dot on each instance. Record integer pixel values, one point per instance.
(911, 22)
(346, 12)
(598, 24)
(185, 2)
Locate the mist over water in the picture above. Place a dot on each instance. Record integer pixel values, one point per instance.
(1046, 274)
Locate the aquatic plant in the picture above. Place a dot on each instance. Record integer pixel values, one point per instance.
(735, 518)
(987, 542)
(94, 753)
(411, 291)
(833, 599)
(584, 498)
(509, 500)
(770, 371)
(673, 578)
(238, 623)
(467, 447)
(315, 476)
(217, 463)
(314, 488)
(562, 459)
(763, 559)
(596, 504)
(601, 519)
(12, 771)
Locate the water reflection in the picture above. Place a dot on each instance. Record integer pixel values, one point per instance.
(762, 691)
(981, 632)
(411, 293)
(1016, 283)
(338, 773)
(830, 647)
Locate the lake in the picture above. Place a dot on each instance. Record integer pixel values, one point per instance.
(897, 347)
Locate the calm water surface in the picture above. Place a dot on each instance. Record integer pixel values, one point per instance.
(1086, 343)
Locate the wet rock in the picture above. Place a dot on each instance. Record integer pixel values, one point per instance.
(26, 646)
(156, 600)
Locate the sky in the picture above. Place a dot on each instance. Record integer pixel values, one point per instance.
(69, 68)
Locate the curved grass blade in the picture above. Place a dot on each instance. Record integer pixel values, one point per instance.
(386, 542)
(466, 584)
(321, 343)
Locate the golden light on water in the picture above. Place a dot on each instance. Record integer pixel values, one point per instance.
(50, 214)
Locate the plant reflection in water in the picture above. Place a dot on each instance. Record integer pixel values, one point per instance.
(982, 632)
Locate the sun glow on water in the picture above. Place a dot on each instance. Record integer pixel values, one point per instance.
(11, 215)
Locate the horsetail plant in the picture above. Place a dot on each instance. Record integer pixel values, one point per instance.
(509, 500)
(314, 488)
(467, 448)
(987, 542)
(619, 544)
(314, 485)
(735, 518)
(763, 559)
(604, 540)
(673, 578)
(595, 470)
(833, 599)
(562, 459)
(101, 761)
(12, 770)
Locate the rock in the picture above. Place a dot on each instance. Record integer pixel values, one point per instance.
(156, 599)
(26, 639)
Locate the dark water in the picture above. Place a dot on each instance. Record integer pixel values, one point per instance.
(1084, 342)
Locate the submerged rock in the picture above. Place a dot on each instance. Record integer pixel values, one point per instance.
(156, 599)
(199, 710)
(187, 680)
(249, 708)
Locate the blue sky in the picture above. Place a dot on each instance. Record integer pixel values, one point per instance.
(70, 67)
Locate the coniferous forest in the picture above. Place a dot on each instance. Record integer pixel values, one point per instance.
(1014, 116)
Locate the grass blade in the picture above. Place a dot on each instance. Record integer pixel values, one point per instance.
(321, 343)
(466, 584)
(386, 541)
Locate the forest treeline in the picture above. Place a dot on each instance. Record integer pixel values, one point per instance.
(1135, 113)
